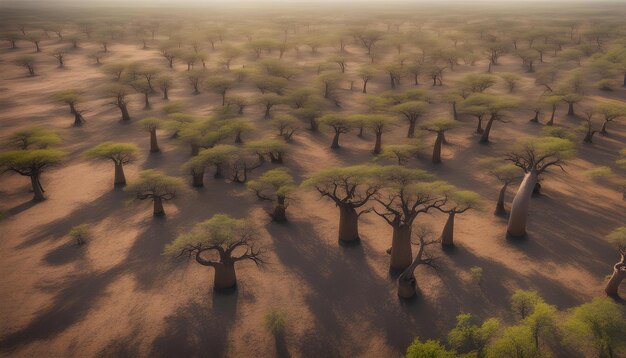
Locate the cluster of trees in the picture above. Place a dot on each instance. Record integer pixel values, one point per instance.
(595, 328)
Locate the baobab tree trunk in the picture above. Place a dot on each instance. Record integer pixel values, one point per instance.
(348, 225)
(198, 178)
(125, 114)
(379, 143)
(401, 253)
(365, 86)
(437, 148)
(279, 214)
(447, 235)
(225, 277)
(500, 210)
(120, 178)
(146, 101)
(570, 109)
(37, 190)
(484, 138)
(335, 144)
(158, 207)
(411, 131)
(154, 145)
(619, 273)
(519, 207)
(455, 115)
(78, 119)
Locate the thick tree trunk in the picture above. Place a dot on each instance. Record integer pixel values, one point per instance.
(348, 225)
(37, 190)
(484, 138)
(78, 119)
(411, 131)
(279, 213)
(158, 207)
(437, 148)
(120, 178)
(401, 252)
(335, 144)
(500, 210)
(198, 178)
(124, 110)
(519, 207)
(455, 115)
(379, 143)
(365, 85)
(619, 273)
(225, 277)
(479, 126)
(407, 287)
(154, 145)
(570, 109)
(447, 235)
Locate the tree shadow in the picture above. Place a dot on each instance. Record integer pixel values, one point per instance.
(197, 329)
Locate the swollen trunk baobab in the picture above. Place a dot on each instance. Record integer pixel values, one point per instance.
(619, 273)
(348, 224)
(401, 251)
(120, 178)
(154, 146)
(500, 209)
(520, 205)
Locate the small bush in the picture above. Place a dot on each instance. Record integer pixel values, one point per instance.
(80, 234)
(274, 322)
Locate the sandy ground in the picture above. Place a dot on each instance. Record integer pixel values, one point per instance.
(119, 296)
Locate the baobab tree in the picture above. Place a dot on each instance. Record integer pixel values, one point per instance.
(151, 124)
(268, 101)
(587, 125)
(405, 193)
(242, 162)
(71, 98)
(400, 152)
(495, 105)
(120, 153)
(618, 238)
(534, 156)
(232, 241)
(165, 84)
(286, 125)
(458, 202)
(477, 82)
(119, 94)
(156, 186)
(350, 188)
(340, 123)
(27, 62)
(219, 85)
(31, 163)
(274, 186)
(366, 73)
(379, 124)
(142, 86)
(330, 81)
(510, 80)
(454, 98)
(35, 38)
(439, 126)
(610, 112)
(571, 99)
(195, 78)
(553, 100)
(275, 150)
(407, 283)
(412, 112)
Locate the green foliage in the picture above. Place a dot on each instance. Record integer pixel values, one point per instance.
(523, 302)
(339, 122)
(173, 107)
(400, 152)
(30, 162)
(151, 123)
(439, 124)
(618, 237)
(37, 137)
(558, 132)
(274, 322)
(70, 96)
(275, 182)
(219, 230)
(598, 172)
(477, 82)
(600, 324)
(354, 183)
(121, 153)
(79, 233)
(154, 184)
(428, 349)
(515, 341)
(467, 337)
